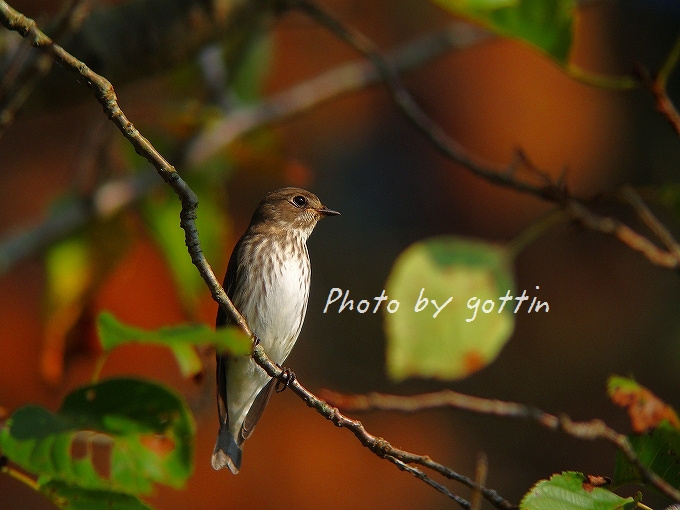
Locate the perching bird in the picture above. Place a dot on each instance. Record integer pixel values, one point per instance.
(268, 279)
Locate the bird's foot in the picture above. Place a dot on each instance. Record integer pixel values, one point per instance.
(284, 380)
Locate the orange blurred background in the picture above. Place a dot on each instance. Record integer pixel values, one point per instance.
(611, 311)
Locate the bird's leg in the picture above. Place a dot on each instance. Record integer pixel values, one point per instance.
(286, 377)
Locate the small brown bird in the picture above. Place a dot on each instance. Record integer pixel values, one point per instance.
(268, 279)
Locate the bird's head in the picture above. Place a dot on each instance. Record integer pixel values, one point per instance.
(290, 209)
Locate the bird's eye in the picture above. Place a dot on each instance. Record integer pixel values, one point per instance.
(299, 201)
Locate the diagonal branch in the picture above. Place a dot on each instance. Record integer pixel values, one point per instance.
(379, 446)
(589, 430)
(105, 94)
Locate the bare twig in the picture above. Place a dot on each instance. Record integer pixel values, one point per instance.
(504, 176)
(105, 94)
(429, 481)
(657, 86)
(331, 84)
(589, 430)
(652, 222)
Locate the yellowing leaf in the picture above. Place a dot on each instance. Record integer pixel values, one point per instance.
(645, 409)
(436, 332)
(68, 270)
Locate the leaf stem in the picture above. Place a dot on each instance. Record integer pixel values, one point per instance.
(23, 478)
(534, 231)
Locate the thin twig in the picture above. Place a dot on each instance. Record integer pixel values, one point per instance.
(625, 234)
(657, 85)
(429, 481)
(106, 95)
(589, 430)
(648, 218)
(481, 471)
(408, 106)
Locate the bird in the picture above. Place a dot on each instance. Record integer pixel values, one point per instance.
(268, 280)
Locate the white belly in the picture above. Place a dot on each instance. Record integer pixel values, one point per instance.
(276, 319)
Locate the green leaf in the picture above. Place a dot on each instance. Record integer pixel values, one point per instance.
(571, 491)
(457, 340)
(118, 435)
(70, 497)
(658, 450)
(179, 339)
(545, 24)
(249, 79)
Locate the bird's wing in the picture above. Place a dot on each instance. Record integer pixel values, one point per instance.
(223, 359)
(256, 410)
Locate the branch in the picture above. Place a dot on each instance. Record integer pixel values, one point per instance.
(377, 445)
(538, 183)
(341, 80)
(105, 94)
(590, 430)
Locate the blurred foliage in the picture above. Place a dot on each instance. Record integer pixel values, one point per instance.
(548, 25)
(70, 497)
(76, 268)
(181, 340)
(161, 214)
(115, 438)
(119, 434)
(450, 322)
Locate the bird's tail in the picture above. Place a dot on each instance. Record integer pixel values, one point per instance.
(226, 453)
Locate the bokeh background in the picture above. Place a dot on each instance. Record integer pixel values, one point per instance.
(611, 311)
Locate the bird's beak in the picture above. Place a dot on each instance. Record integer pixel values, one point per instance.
(325, 211)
